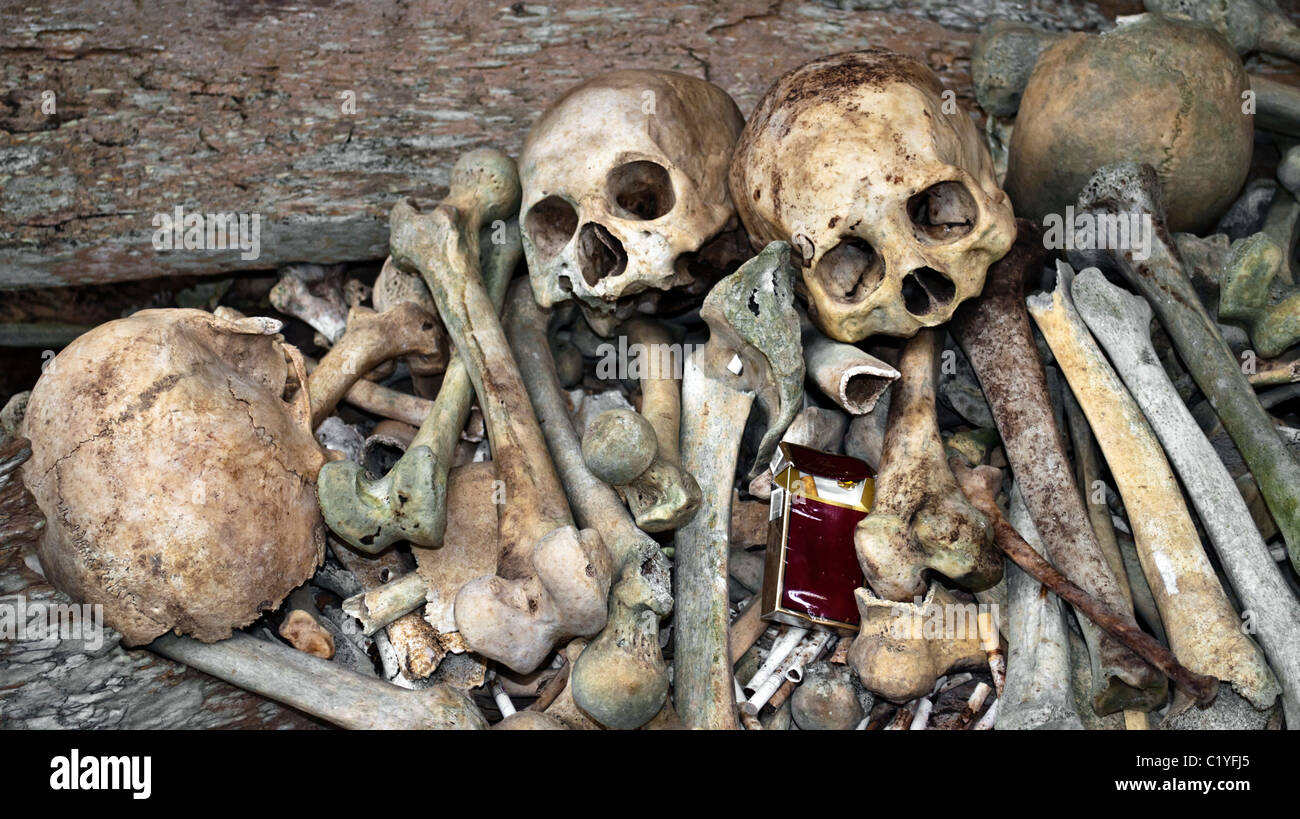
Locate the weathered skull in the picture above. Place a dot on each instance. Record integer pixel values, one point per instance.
(173, 458)
(622, 177)
(890, 199)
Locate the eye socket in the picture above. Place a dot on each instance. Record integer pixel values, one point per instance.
(640, 190)
(851, 270)
(942, 212)
(550, 224)
(926, 290)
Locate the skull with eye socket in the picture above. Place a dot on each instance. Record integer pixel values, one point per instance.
(889, 198)
(624, 180)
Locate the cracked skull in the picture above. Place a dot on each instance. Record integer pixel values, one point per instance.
(624, 178)
(883, 186)
(173, 459)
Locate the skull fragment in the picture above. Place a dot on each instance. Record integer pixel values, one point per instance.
(624, 179)
(883, 186)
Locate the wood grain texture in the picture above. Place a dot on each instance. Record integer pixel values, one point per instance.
(229, 106)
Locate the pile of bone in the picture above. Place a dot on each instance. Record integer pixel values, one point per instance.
(539, 500)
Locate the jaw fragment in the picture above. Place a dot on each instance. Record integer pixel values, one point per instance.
(1120, 321)
(619, 679)
(996, 334)
(1131, 188)
(753, 353)
(1203, 630)
(552, 579)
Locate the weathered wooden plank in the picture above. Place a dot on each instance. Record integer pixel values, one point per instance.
(230, 106)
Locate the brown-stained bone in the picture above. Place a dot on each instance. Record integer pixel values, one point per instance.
(919, 519)
(995, 332)
(552, 579)
(981, 485)
(371, 339)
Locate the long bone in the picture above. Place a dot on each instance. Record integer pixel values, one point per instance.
(996, 334)
(314, 295)
(322, 688)
(619, 679)
(1203, 630)
(1038, 693)
(372, 338)
(639, 452)
(409, 502)
(1127, 188)
(849, 376)
(919, 519)
(1121, 322)
(375, 398)
(753, 353)
(552, 580)
(981, 485)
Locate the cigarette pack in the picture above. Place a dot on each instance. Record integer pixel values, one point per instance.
(811, 567)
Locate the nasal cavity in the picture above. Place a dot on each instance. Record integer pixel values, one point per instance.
(926, 290)
(640, 190)
(550, 225)
(942, 212)
(852, 270)
(599, 253)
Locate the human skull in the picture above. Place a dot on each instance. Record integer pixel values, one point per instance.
(623, 177)
(882, 185)
(173, 458)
